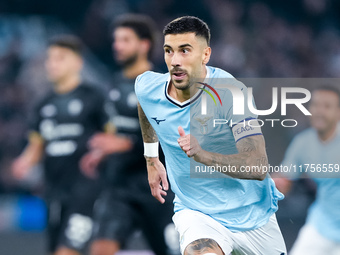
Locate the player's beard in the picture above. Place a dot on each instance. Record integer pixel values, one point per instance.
(184, 85)
(181, 84)
(128, 61)
(322, 124)
(56, 79)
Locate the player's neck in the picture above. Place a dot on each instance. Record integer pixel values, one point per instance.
(328, 135)
(184, 95)
(67, 84)
(140, 66)
(181, 95)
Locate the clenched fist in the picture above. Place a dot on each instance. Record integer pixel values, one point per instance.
(189, 144)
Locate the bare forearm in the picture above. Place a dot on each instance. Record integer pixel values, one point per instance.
(148, 133)
(151, 161)
(241, 166)
(34, 151)
(250, 163)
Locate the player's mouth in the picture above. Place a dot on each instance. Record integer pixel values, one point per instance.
(178, 75)
(319, 121)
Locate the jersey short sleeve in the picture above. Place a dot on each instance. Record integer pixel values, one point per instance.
(292, 157)
(102, 111)
(34, 120)
(144, 84)
(243, 123)
(138, 90)
(35, 116)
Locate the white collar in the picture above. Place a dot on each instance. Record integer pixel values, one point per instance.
(191, 99)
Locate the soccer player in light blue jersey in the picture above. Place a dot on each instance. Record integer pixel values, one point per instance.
(318, 148)
(234, 211)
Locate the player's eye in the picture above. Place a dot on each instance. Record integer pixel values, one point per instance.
(167, 51)
(185, 51)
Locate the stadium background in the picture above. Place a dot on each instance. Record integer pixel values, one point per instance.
(275, 39)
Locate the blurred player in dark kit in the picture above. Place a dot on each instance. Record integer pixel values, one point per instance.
(62, 123)
(126, 202)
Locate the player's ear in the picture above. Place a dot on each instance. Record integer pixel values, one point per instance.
(145, 46)
(206, 55)
(79, 61)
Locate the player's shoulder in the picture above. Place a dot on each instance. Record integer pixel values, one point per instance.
(220, 76)
(215, 72)
(45, 99)
(149, 81)
(89, 89)
(151, 77)
(306, 135)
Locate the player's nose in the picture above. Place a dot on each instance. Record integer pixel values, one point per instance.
(175, 60)
(117, 46)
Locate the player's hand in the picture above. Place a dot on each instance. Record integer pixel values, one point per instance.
(110, 143)
(157, 178)
(282, 184)
(189, 144)
(89, 163)
(21, 168)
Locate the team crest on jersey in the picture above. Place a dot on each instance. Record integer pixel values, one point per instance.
(203, 119)
(48, 111)
(75, 106)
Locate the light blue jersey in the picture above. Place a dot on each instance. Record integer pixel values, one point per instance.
(239, 205)
(306, 148)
